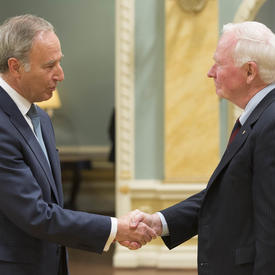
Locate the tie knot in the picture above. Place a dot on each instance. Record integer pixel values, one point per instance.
(32, 113)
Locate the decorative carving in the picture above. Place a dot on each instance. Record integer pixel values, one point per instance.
(248, 10)
(124, 189)
(192, 5)
(125, 89)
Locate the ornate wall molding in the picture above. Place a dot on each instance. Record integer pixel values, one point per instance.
(248, 10)
(125, 89)
(157, 256)
(156, 189)
(192, 5)
(150, 194)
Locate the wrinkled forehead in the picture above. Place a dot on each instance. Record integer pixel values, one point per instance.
(46, 48)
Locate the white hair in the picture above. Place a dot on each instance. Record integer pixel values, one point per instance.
(254, 42)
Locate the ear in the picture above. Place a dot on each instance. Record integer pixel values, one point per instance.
(251, 71)
(14, 66)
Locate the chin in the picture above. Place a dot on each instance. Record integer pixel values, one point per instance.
(220, 93)
(47, 96)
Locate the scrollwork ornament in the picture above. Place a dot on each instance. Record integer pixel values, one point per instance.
(192, 5)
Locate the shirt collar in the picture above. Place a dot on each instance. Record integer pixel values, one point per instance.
(254, 101)
(22, 103)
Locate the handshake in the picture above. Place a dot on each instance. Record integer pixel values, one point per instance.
(138, 228)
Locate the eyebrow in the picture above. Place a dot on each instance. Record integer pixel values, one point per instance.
(51, 62)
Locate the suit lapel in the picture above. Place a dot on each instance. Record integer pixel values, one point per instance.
(242, 135)
(23, 128)
(231, 150)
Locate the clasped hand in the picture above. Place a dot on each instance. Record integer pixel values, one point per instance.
(138, 228)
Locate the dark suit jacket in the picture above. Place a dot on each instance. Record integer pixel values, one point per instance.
(234, 216)
(33, 225)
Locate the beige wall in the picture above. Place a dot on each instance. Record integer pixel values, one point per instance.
(191, 105)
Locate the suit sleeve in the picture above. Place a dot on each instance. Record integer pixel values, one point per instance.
(263, 188)
(23, 202)
(182, 220)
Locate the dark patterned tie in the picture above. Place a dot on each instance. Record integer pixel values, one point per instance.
(235, 130)
(34, 116)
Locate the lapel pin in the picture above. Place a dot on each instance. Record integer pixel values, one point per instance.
(243, 132)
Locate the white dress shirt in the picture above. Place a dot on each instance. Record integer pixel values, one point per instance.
(22, 103)
(254, 101)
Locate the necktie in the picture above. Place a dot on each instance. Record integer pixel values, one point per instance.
(34, 116)
(235, 130)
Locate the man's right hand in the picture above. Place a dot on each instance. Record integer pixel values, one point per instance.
(134, 233)
(137, 218)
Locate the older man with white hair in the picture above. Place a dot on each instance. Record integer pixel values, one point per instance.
(234, 216)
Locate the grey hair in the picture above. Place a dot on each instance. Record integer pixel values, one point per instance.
(16, 38)
(254, 42)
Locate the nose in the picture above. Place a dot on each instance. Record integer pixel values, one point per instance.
(211, 72)
(59, 75)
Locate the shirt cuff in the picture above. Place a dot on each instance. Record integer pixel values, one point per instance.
(112, 234)
(165, 230)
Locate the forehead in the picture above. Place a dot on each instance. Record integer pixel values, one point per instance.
(45, 46)
(225, 47)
